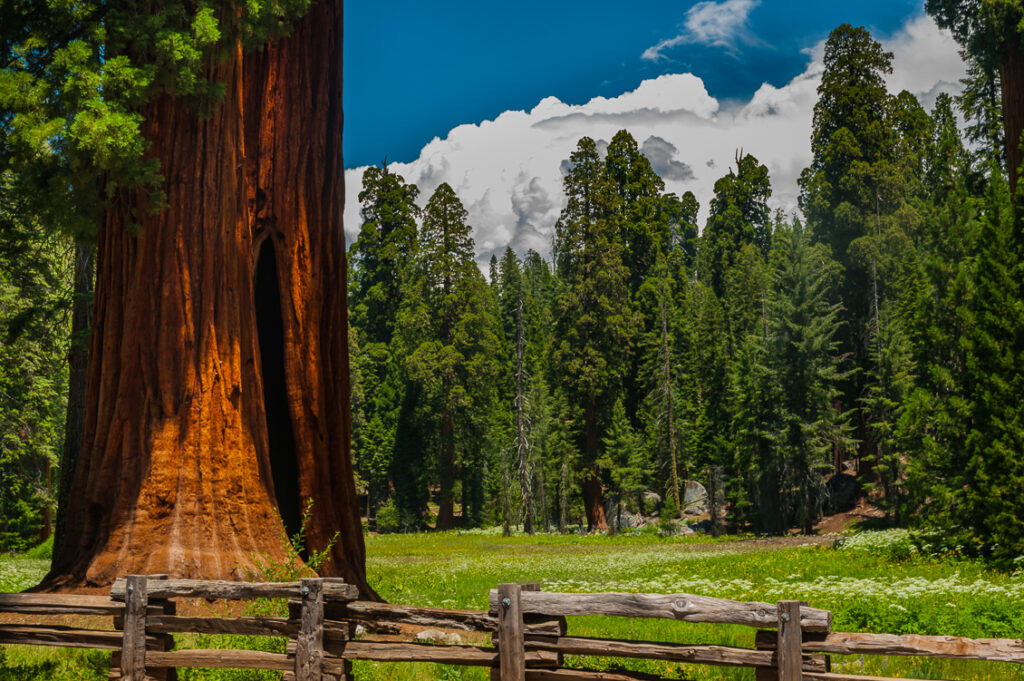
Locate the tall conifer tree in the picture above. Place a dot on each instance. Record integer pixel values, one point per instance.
(594, 320)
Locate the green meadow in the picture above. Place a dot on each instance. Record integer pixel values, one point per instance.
(871, 582)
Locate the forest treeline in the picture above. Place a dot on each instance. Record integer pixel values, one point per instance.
(881, 331)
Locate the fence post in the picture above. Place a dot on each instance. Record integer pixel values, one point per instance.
(791, 659)
(346, 665)
(511, 651)
(133, 646)
(309, 645)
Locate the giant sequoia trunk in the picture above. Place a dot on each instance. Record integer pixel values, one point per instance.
(446, 494)
(78, 364)
(1011, 78)
(217, 388)
(593, 490)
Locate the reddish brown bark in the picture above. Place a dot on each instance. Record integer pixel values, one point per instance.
(175, 472)
(1011, 77)
(593, 490)
(78, 362)
(446, 494)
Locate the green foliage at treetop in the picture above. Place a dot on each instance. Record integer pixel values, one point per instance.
(879, 337)
(74, 80)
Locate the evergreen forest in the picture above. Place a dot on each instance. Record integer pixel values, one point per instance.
(877, 333)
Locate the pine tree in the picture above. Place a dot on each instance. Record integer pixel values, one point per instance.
(380, 256)
(35, 297)
(379, 266)
(850, 139)
(452, 339)
(990, 31)
(625, 459)
(966, 411)
(804, 358)
(594, 319)
(937, 413)
(994, 490)
(642, 216)
(739, 215)
(660, 374)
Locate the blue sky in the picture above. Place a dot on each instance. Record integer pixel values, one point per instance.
(415, 70)
(491, 98)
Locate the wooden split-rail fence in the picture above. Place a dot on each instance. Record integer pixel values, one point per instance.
(527, 628)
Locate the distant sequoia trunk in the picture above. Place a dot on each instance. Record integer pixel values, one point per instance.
(217, 387)
(1011, 77)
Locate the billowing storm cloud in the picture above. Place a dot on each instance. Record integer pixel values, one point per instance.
(508, 171)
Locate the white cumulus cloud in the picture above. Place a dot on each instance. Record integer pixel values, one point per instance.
(717, 24)
(508, 171)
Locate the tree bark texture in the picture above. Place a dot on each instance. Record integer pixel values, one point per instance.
(522, 447)
(593, 490)
(78, 362)
(446, 495)
(177, 472)
(1011, 77)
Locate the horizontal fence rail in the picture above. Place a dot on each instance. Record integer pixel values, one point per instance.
(682, 607)
(526, 626)
(196, 588)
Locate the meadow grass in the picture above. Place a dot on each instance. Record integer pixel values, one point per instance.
(879, 584)
(874, 582)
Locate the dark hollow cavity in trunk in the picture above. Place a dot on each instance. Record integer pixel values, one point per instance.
(280, 435)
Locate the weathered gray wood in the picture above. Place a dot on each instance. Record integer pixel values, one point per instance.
(815, 676)
(586, 675)
(221, 659)
(151, 611)
(309, 645)
(684, 607)
(212, 589)
(244, 626)
(115, 666)
(765, 673)
(725, 656)
(512, 654)
(539, 622)
(290, 676)
(544, 643)
(381, 651)
(133, 647)
(544, 625)
(468, 655)
(697, 654)
(464, 620)
(59, 604)
(467, 620)
(345, 672)
(388, 651)
(165, 642)
(956, 647)
(53, 635)
(790, 653)
(375, 627)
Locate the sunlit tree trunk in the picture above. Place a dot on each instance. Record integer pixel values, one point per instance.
(217, 388)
